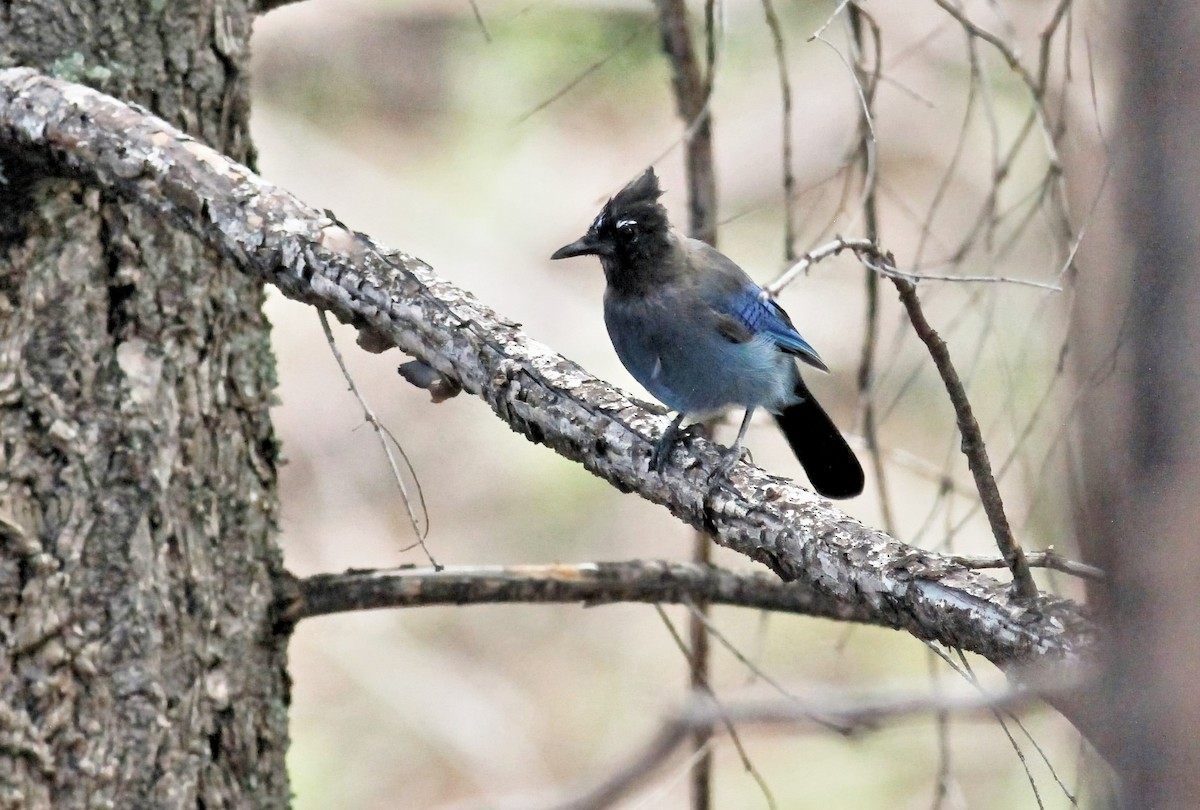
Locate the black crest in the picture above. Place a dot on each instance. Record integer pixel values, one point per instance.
(632, 237)
(634, 209)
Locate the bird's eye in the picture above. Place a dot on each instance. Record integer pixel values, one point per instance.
(626, 224)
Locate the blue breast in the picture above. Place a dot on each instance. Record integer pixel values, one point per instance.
(676, 352)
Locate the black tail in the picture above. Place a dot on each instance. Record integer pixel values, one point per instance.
(833, 470)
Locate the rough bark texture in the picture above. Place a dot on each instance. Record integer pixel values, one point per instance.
(139, 665)
(396, 299)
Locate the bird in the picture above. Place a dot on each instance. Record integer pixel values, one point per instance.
(701, 336)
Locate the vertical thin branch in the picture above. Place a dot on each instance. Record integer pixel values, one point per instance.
(941, 721)
(699, 667)
(691, 96)
(692, 92)
(785, 94)
(868, 81)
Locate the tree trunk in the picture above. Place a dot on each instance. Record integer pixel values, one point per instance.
(139, 665)
(1139, 358)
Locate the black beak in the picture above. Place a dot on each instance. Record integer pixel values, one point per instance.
(586, 245)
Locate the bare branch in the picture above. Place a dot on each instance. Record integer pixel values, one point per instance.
(1020, 282)
(817, 254)
(479, 21)
(692, 91)
(854, 713)
(785, 95)
(706, 737)
(590, 583)
(860, 24)
(973, 446)
(1037, 559)
(996, 42)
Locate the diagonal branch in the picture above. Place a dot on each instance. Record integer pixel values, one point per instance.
(973, 446)
(397, 298)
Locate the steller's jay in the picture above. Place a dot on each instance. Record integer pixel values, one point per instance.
(700, 335)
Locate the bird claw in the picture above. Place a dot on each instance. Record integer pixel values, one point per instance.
(671, 436)
(661, 452)
(674, 434)
(728, 459)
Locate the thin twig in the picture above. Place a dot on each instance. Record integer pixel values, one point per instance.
(1000, 713)
(1036, 559)
(785, 96)
(1020, 282)
(829, 20)
(1002, 47)
(758, 671)
(384, 435)
(864, 106)
(941, 722)
(814, 256)
(947, 178)
(588, 71)
(1037, 87)
(707, 689)
(870, 209)
(866, 247)
(479, 21)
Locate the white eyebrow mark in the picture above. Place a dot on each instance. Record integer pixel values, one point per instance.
(625, 223)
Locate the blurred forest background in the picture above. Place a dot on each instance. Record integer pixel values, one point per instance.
(480, 138)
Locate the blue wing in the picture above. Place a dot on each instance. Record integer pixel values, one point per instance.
(760, 315)
(750, 312)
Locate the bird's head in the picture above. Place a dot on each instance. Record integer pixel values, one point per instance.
(631, 234)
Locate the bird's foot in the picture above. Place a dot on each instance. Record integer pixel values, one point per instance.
(671, 436)
(662, 450)
(728, 459)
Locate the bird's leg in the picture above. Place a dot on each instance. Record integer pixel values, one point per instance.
(662, 450)
(734, 454)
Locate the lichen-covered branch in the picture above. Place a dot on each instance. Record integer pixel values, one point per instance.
(397, 298)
